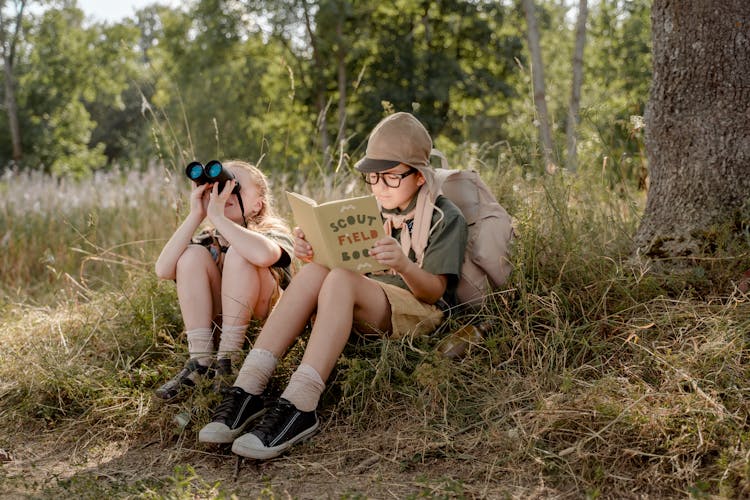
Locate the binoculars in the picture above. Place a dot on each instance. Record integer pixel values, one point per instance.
(213, 171)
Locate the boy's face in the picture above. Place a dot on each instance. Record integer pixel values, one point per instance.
(395, 197)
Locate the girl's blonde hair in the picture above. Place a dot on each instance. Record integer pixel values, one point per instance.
(266, 219)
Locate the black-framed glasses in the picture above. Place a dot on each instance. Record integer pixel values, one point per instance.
(390, 179)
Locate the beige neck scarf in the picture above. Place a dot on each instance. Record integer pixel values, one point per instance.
(396, 219)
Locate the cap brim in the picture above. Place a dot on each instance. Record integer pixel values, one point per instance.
(367, 165)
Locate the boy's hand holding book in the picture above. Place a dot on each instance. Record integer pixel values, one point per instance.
(339, 233)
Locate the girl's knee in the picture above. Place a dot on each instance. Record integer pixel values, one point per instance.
(234, 261)
(194, 257)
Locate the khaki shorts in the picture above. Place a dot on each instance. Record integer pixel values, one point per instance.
(409, 315)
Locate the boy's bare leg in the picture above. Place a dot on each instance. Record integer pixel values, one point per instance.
(287, 320)
(345, 296)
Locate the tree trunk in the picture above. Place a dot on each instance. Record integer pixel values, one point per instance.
(342, 81)
(11, 109)
(537, 74)
(697, 125)
(8, 42)
(319, 90)
(575, 87)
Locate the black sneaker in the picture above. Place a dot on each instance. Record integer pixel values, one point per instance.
(279, 429)
(178, 384)
(236, 410)
(223, 378)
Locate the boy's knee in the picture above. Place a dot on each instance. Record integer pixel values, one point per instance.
(311, 270)
(339, 278)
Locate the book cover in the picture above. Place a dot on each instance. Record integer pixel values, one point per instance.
(341, 232)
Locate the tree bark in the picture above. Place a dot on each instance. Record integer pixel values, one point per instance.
(319, 90)
(8, 44)
(697, 125)
(575, 87)
(342, 80)
(537, 74)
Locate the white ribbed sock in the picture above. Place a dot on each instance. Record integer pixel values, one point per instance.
(256, 371)
(232, 341)
(201, 345)
(304, 389)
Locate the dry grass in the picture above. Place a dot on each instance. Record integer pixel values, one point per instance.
(601, 376)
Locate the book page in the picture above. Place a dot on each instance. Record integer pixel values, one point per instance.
(341, 232)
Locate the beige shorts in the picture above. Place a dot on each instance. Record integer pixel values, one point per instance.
(409, 315)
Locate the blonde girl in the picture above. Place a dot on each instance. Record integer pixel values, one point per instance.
(228, 274)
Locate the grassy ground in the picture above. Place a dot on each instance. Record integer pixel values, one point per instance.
(601, 375)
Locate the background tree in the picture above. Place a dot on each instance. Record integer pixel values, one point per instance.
(60, 77)
(228, 78)
(539, 89)
(10, 33)
(697, 126)
(571, 126)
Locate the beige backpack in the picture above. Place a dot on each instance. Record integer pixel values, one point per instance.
(487, 263)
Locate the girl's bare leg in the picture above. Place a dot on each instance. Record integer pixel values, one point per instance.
(199, 295)
(246, 291)
(198, 287)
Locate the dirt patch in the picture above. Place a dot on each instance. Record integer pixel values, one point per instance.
(338, 462)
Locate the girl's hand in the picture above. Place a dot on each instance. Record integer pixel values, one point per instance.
(302, 249)
(199, 200)
(218, 201)
(388, 251)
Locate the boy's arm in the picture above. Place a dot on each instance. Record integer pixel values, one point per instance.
(425, 286)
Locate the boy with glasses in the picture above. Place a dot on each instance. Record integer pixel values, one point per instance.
(424, 251)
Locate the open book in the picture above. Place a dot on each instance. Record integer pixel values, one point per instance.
(341, 232)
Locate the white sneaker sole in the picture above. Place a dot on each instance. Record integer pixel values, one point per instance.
(250, 446)
(216, 433)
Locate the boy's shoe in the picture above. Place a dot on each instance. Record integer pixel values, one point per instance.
(236, 410)
(222, 368)
(279, 429)
(181, 382)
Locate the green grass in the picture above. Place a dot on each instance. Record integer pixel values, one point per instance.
(601, 375)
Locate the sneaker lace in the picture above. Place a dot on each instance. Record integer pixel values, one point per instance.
(227, 406)
(274, 418)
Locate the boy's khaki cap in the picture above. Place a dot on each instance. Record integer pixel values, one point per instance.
(399, 138)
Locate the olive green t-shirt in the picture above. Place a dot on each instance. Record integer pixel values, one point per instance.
(445, 249)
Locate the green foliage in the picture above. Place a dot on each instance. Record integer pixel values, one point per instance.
(59, 76)
(296, 86)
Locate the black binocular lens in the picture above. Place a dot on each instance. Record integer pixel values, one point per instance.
(194, 171)
(214, 171)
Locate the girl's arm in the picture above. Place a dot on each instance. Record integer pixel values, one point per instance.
(425, 286)
(166, 264)
(253, 247)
